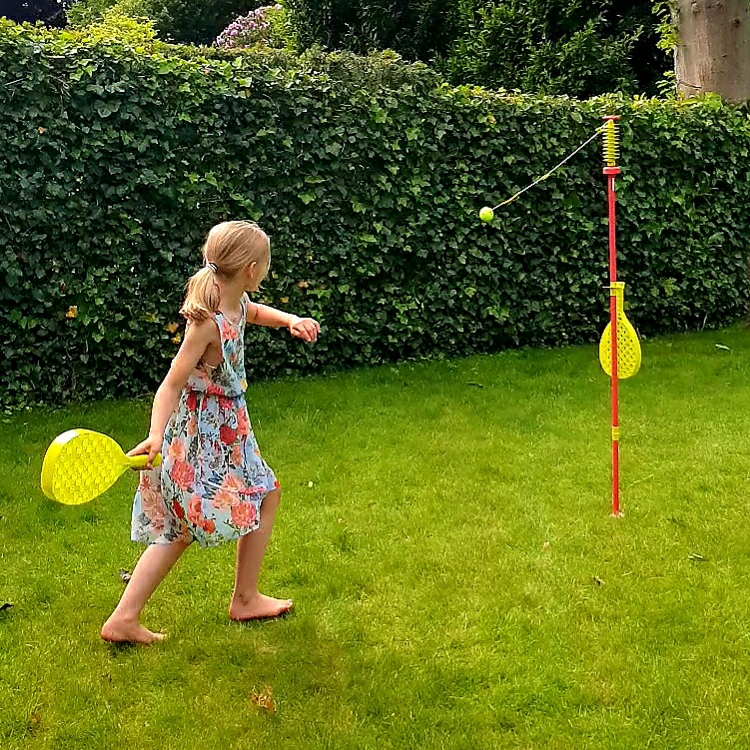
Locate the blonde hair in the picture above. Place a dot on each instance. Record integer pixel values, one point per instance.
(229, 248)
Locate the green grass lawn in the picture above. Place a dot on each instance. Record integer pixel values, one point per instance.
(459, 581)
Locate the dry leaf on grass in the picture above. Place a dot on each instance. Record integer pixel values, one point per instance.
(264, 700)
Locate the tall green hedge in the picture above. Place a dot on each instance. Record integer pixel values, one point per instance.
(368, 175)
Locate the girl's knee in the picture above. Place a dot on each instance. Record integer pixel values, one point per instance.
(274, 496)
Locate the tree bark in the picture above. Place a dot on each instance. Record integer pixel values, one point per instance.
(713, 52)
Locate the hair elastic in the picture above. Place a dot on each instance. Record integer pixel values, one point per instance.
(212, 266)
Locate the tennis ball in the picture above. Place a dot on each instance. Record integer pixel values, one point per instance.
(486, 214)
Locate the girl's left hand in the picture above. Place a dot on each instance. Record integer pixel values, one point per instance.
(306, 329)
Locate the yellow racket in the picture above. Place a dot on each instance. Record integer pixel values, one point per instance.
(81, 464)
(628, 346)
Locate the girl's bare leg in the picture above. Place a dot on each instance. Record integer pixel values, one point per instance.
(247, 602)
(123, 625)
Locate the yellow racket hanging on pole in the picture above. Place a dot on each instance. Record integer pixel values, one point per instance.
(81, 464)
(628, 346)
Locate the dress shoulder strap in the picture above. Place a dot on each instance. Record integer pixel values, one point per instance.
(245, 303)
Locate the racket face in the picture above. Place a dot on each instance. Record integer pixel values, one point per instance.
(628, 349)
(80, 465)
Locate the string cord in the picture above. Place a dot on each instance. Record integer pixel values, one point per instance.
(597, 132)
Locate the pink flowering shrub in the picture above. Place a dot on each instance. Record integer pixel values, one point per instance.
(266, 26)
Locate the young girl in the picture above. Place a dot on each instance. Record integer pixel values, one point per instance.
(212, 486)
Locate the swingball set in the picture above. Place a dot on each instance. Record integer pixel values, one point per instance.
(619, 348)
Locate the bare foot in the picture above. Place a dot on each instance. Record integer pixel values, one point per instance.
(257, 607)
(126, 631)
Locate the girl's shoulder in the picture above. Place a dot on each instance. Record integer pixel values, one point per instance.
(206, 330)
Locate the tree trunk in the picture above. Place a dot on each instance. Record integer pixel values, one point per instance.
(713, 52)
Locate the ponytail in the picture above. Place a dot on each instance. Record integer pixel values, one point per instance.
(202, 298)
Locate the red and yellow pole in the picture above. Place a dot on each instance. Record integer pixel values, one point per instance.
(611, 170)
(619, 348)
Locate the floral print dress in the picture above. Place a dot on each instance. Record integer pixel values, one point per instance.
(212, 480)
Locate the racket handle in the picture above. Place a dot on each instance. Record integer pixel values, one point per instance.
(139, 462)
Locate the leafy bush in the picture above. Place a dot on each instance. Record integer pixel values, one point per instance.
(121, 23)
(265, 26)
(86, 13)
(368, 174)
(573, 47)
(416, 29)
(176, 20)
(511, 46)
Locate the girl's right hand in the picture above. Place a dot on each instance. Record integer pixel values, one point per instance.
(306, 329)
(149, 447)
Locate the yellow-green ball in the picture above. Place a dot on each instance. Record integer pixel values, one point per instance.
(486, 214)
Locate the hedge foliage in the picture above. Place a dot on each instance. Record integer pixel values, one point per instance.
(368, 174)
